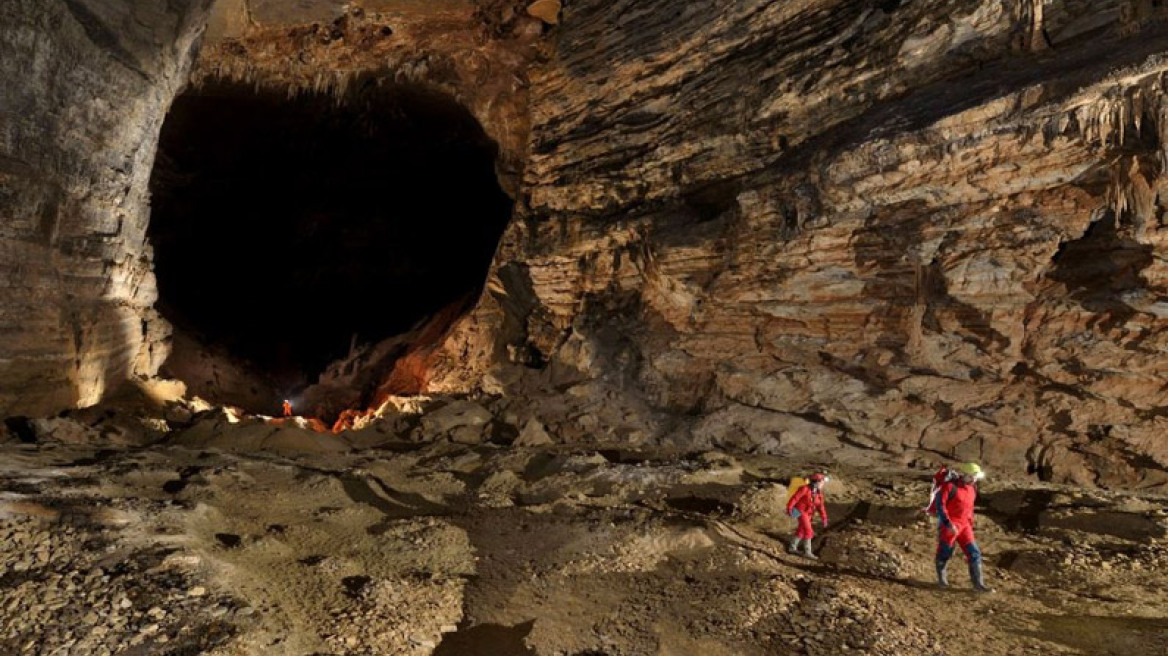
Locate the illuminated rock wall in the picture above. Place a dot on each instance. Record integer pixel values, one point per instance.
(929, 229)
(86, 86)
(926, 229)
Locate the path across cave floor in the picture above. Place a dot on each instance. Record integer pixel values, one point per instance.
(451, 549)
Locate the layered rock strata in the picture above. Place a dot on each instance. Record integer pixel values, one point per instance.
(927, 228)
(86, 86)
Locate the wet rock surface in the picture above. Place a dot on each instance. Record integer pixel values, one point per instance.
(440, 547)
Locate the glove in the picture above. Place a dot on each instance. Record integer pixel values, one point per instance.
(824, 524)
(795, 513)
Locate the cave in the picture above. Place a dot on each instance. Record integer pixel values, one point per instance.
(566, 297)
(290, 228)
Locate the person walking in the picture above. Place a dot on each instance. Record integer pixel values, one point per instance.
(803, 504)
(954, 507)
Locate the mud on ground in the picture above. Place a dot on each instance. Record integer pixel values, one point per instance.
(469, 550)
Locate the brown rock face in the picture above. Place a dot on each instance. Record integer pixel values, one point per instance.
(86, 85)
(922, 228)
(476, 52)
(925, 229)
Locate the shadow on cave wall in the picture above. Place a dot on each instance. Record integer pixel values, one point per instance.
(888, 250)
(1102, 264)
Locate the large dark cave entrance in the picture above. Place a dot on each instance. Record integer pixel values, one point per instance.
(288, 229)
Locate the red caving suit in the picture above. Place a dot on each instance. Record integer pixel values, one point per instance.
(807, 501)
(955, 505)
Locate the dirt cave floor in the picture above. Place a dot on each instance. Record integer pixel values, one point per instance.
(475, 550)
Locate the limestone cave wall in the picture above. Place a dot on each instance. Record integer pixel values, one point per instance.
(924, 228)
(86, 87)
(931, 229)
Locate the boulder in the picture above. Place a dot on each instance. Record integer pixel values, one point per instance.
(547, 11)
(458, 414)
(533, 434)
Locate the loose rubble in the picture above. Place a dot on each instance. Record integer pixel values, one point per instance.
(418, 543)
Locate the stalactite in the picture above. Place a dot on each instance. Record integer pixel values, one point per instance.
(1031, 15)
(1117, 118)
(1037, 38)
(1130, 192)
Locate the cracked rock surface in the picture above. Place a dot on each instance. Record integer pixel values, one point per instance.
(914, 226)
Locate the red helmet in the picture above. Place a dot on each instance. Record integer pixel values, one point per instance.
(818, 478)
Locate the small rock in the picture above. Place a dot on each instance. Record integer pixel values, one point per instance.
(547, 11)
(533, 434)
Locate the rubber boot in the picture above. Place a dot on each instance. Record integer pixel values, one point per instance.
(944, 553)
(975, 575)
(794, 547)
(807, 553)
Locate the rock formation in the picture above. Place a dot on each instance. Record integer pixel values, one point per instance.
(87, 85)
(914, 227)
(929, 229)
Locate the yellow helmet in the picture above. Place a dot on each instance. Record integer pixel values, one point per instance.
(971, 470)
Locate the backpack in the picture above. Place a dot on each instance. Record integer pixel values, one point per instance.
(943, 474)
(793, 487)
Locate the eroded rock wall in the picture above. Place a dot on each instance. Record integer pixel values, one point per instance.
(928, 228)
(86, 86)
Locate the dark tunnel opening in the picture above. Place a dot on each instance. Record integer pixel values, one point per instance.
(287, 229)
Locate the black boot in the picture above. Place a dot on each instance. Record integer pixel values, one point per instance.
(975, 575)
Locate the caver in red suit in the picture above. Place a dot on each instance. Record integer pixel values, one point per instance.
(954, 504)
(803, 505)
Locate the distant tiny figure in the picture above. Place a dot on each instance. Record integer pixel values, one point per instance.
(953, 505)
(802, 505)
(287, 408)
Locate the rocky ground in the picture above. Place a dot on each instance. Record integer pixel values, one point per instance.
(234, 537)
